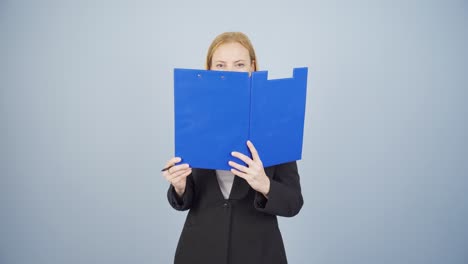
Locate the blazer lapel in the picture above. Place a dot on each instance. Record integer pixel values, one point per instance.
(240, 188)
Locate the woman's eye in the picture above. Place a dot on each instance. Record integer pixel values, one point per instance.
(219, 65)
(240, 65)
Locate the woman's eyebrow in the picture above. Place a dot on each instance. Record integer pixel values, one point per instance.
(239, 61)
(219, 61)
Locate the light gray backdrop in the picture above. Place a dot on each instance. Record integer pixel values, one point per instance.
(86, 115)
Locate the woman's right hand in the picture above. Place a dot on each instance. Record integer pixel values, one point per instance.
(177, 175)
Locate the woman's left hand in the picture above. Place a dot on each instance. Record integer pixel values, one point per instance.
(254, 174)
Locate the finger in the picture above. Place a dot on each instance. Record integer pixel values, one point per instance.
(177, 168)
(253, 151)
(241, 174)
(173, 171)
(238, 166)
(181, 177)
(176, 174)
(173, 161)
(242, 157)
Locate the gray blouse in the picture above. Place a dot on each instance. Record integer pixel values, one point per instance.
(225, 180)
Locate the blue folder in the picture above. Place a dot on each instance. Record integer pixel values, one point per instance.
(216, 112)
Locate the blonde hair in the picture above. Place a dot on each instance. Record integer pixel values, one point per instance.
(230, 37)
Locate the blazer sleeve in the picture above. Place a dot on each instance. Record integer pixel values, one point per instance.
(185, 202)
(285, 197)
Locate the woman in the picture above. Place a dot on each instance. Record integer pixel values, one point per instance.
(233, 214)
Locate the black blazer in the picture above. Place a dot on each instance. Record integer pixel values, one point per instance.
(242, 229)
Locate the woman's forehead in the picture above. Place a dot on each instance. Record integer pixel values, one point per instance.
(231, 51)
